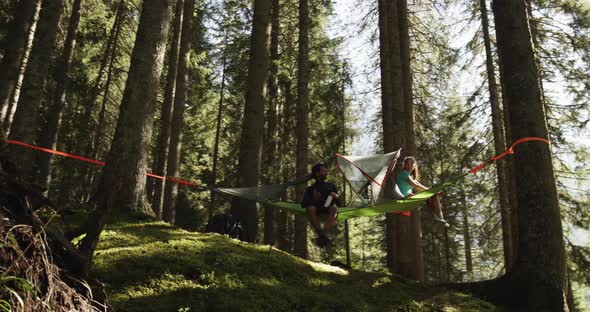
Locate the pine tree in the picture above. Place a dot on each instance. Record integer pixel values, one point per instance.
(540, 263)
(173, 166)
(163, 141)
(270, 136)
(26, 117)
(252, 129)
(50, 130)
(302, 127)
(14, 57)
(122, 185)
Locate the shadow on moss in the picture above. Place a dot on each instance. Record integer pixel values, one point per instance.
(152, 266)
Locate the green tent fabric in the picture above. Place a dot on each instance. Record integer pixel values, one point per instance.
(407, 204)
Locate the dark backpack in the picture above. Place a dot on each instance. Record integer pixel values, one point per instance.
(225, 224)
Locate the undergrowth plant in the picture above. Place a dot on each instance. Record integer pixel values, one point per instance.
(11, 285)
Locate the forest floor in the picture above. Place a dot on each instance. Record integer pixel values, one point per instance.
(152, 266)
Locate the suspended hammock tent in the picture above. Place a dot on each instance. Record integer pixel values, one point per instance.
(367, 177)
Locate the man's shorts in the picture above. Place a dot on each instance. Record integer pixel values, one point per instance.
(320, 209)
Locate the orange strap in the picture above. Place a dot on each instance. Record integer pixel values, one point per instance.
(510, 150)
(93, 161)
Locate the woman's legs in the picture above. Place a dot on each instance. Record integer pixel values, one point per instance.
(436, 208)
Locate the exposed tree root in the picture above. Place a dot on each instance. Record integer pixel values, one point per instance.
(39, 267)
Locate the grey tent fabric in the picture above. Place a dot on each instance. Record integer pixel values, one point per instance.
(259, 193)
(368, 175)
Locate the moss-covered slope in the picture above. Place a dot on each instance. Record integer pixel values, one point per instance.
(152, 266)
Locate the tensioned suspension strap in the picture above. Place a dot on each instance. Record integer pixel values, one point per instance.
(509, 151)
(93, 161)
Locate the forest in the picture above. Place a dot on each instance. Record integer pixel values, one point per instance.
(188, 155)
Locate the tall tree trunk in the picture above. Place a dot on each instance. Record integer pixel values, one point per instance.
(398, 227)
(253, 124)
(17, 44)
(302, 130)
(94, 141)
(416, 269)
(342, 117)
(467, 238)
(284, 219)
(11, 108)
(24, 126)
(510, 172)
(163, 143)
(448, 263)
(86, 120)
(180, 99)
(99, 131)
(54, 113)
(270, 137)
(540, 266)
(122, 185)
(386, 112)
(213, 181)
(499, 141)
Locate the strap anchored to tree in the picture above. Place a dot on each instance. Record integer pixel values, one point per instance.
(509, 151)
(94, 161)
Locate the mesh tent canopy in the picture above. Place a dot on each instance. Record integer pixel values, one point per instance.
(367, 177)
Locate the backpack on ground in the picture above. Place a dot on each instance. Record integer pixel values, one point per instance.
(225, 224)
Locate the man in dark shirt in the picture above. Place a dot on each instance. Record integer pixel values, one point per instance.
(321, 198)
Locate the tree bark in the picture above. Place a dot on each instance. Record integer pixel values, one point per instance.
(270, 138)
(163, 143)
(10, 110)
(467, 237)
(122, 185)
(86, 121)
(180, 99)
(414, 241)
(212, 202)
(50, 130)
(499, 141)
(386, 112)
(398, 227)
(448, 263)
(24, 126)
(540, 266)
(252, 128)
(302, 128)
(17, 46)
(99, 131)
(284, 219)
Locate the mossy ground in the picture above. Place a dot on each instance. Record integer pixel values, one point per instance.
(152, 266)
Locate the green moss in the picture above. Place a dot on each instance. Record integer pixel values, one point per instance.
(152, 266)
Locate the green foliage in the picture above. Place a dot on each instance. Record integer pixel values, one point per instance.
(12, 286)
(151, 266)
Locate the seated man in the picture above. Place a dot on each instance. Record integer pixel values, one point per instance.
(321, 198)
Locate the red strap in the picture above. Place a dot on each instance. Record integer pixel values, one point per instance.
(50, 151)
(510, 150)
(92, 161)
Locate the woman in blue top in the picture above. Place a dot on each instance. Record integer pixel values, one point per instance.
(407, 181)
